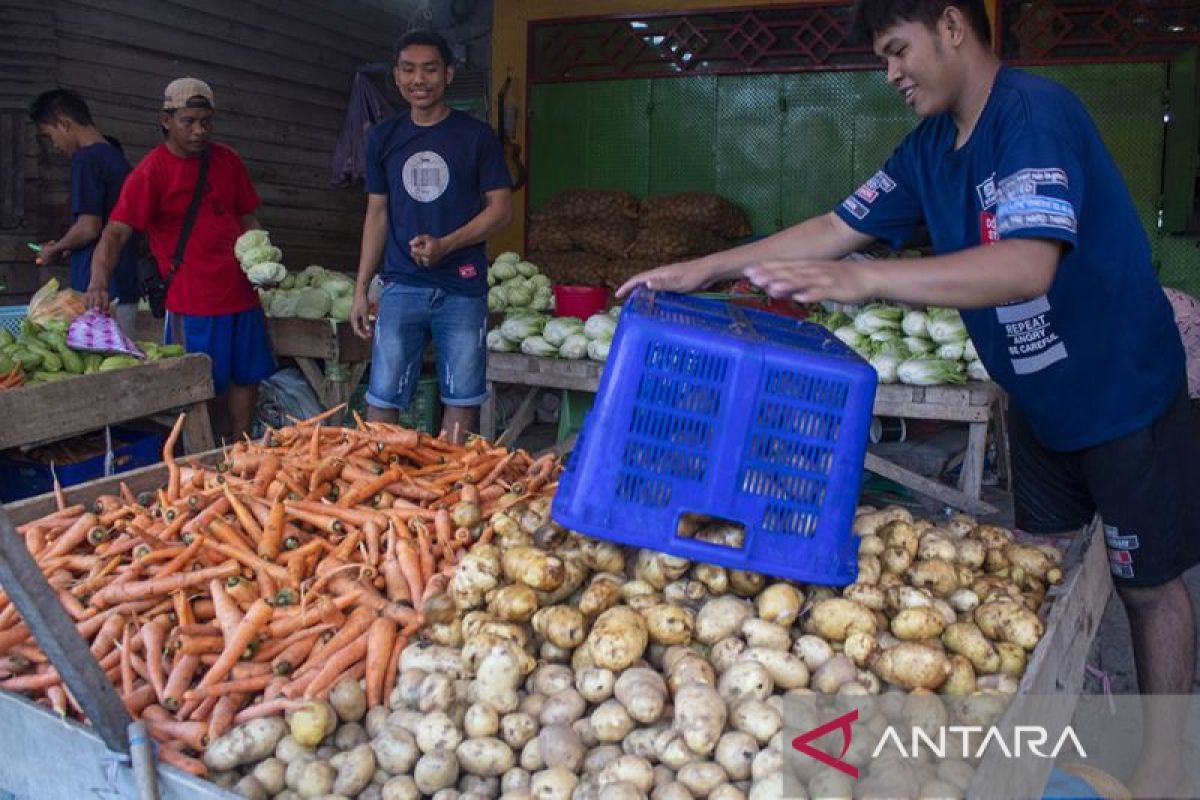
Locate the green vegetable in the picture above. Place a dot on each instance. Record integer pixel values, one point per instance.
(950, 351)
(52, 362)
(6, 337)
(497, 301)
(930, 372)
(558, 329)
(117, 362)
(312, 304)
(504, 270)
(266, 273)
(918, 345)
(6, 365)
(249, 241)
(288, 281)
(537, 346)
(171, 350)
(72, 362)
(498, 344)
(52, 340)
(600, 327)
(92, 362)
(597, 350)
(877, 317)
(508, 255)
(518, 296)
(574, 346)
(850, 336)
(540, 281)
(945, 325)
(56, 326)
(969, 353)
(339, 308)
(527, 269)
(261, 255)
(915, 323)
(519, 328)
(886, 366)
(48, 377)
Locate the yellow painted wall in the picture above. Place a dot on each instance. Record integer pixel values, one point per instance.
(510, 27)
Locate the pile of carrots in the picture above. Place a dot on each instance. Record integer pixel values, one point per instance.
(14, 378)
(310, 557)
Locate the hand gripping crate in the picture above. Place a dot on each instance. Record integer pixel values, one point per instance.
(710, 408)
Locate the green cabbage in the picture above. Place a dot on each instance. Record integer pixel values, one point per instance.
(930, 372)
(915, 323)
(615, 312)
(498, 344)
(537, 346)
(496, 299)
(527, 268)
(878, 317)
(600, 327)
(918, 345)
(886, 366)
(969, 353)
(519, 328)
(288, 281)
(341, 286)
(558, 329)
(339, 308)
(266, 273)
(312, 303)
(508, 256)
(850, 336)
(895, 348)
(540, 281)
(945, 325)
(250, 240)
(950, 351)
(259, 255)
(283, 302)
(977, 372)
(518, 295)
(574, 346)
(504, 270)
(597, 349)
(543, 300)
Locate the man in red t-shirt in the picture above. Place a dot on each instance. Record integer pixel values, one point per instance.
(212, 308)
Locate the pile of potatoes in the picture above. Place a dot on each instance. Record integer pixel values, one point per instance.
(578, 669)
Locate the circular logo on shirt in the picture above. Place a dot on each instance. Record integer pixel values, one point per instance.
(426, 176)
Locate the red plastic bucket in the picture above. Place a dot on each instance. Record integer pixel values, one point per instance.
(579, 301)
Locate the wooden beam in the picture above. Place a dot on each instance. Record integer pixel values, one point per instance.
(926, 486)
(65, 408)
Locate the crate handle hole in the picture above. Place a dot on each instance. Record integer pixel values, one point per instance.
(714, 530)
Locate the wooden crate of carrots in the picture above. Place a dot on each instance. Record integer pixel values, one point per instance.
(253, 581)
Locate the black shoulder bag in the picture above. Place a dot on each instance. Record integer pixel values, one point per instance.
(154, 286)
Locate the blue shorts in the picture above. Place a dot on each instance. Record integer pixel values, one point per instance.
(408, 317)
(236, 343)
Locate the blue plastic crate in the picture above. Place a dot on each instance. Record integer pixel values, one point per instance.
(21, 477)
(10, 318)
(710, 408)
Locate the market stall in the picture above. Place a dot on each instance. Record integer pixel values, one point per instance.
(1074, 602)
(974, 404)
(47, 411)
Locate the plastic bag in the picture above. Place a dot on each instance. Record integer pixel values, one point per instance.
(96, 332)
(51, 303)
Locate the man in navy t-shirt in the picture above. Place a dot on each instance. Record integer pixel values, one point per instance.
(1039, 244)
(98, 170)
(437, 187)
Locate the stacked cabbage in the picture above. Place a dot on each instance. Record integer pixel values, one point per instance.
(517, 284)
(260, 260)
(922, 347)
(535, 334)
(315, 293)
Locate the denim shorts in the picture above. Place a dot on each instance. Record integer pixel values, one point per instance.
(408, 317)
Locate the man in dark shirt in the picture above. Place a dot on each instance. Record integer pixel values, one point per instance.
(98, 170)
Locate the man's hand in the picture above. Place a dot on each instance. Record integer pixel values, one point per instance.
(97, 297)
(807, 281)
(684, 276)
(360, 315)
(49, 253)
(427, 250)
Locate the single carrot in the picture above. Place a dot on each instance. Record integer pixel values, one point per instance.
(171, 752)
(268, 708)
(137, 590)
(154, 634)
(410, 566)
(334, 664)
(393, 667)
(249, 523)
(381, 636)
(168, 457)
(73, 537)
(272, 539)
(180, 677)
(256, 617)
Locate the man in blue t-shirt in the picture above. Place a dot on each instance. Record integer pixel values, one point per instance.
(437, 187)
(98, 170)
(1039, 244)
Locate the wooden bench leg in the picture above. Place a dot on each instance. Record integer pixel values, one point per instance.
(316, 379)
(197, 429)
(970, 479)
(487, 414)
(930, 488)
(521, 418)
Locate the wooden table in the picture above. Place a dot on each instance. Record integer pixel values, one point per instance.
(971, 403)
(311, 341)
(46, 411)
(330, 356)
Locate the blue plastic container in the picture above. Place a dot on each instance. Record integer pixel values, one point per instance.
(710, 408)
(10, 318)
(21, 478)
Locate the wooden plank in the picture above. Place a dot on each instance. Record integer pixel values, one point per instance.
(55, 633)
(1056, 666)
(520, 418)
(88, 402)
(146, 479)
(970, 479)
(927, 486)
(197, 429)
(554, 373)
(317, 338)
